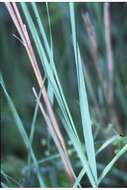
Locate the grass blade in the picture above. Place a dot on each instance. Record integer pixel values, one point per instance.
(111, 164)
(86, 121)
(21, 130)
(107, 143)
(3, 185)
(34, 118)
(80, 176)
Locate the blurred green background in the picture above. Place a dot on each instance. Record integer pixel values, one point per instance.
(19, 79)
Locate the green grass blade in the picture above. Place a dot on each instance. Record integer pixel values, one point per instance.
(111, 164)
(107, 143)
(86, 121)
(33, 123)
(41, 27)
(35, 117)
(21, 129)
(81, 154)
(32, 131)
(4, 185)
(85, 115)
(50, 89)
(9, 179)
(80, 176)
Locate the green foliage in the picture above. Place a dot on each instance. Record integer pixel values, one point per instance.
(64, 53)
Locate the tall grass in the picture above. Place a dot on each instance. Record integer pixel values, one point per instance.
(88, 154)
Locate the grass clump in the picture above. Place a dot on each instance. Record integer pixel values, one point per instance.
(81, 163)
